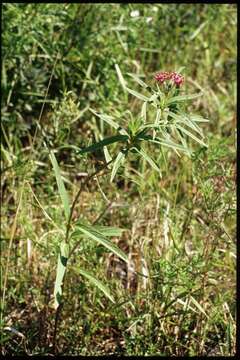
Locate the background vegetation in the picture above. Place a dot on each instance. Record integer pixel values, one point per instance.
(180, 230)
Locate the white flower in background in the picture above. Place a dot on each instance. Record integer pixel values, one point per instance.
(155, 8)
(134, 13)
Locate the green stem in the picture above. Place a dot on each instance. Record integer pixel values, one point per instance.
(82, 186)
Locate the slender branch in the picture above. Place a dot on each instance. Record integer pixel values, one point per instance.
(57, 317)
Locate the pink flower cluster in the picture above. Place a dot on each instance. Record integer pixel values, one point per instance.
(175, 77)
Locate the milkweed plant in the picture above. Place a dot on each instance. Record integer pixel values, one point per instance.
(171, 126)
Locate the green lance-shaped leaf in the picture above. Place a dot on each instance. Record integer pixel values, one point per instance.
(183, 141)
(109, 120)
(137, 94)
(144, 112)
(183, 98)
(97, 236)
(106, 153)
(163, 142)
(69, 146)
(139, 81)
(108, 230)
(107, 156)
(104, 142)
(97, 283)
(61, 268)
(104, 230)
(157, 121)
(151, 126)
(186, 120)
(158, 116)
(148, 159)
(197, 118)
(119, 160)
(61, 187)
(191, 135)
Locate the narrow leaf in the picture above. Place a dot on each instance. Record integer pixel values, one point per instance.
(60, 184)
(97, 283)
(157, 120)
(89, 70)
(163, 142)
(144, 112)
(148, 159)
(137, 94)
(183, 98)
(107, 156)
(158, 116)
(139, 81)
(104, 230)
(191, 135)
(183, 141)
(117, 163)
(109, 120)
(120, 77)
(104, 142)
(185, 119)
(108, 230)
(101, 239)
(197, 118)
(200, 308)
(152, 126)
(61, 268)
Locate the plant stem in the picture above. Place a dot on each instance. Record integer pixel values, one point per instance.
(82, 186)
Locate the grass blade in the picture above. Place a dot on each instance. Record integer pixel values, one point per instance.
(61, 187)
